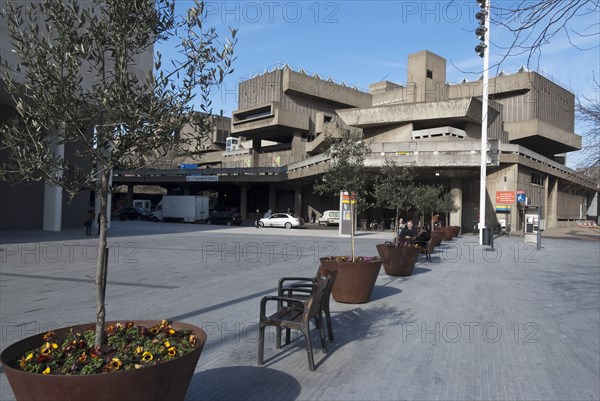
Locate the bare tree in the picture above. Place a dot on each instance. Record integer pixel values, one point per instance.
(534, 24)
(588, 110)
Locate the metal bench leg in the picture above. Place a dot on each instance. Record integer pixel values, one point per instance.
(319, 324)
(328, 320)
(261, 344)
(277, 337)
(309, 350)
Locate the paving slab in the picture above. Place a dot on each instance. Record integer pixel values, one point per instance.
(474, 323)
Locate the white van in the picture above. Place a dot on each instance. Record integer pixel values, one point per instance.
(329, 217)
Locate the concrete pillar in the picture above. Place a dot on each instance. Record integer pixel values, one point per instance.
(272, 197)
(243, 201)
(52, 207)
(129, 194)
(551, 204)
(256, 147)
(53, 196)
(298, 147)
(298, 200)
(456, 217)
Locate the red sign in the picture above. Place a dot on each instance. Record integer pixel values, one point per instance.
(505, 197)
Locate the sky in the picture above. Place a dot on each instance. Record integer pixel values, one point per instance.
(361, 42)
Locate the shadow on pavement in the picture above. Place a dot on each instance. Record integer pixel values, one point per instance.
(243, 383)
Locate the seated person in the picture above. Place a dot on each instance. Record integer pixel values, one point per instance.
(409, 231)
(423, 237)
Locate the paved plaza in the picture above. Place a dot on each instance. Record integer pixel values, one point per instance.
(511, 323)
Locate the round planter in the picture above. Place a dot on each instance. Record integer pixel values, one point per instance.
(456, 230)
(355, 280)
(448, 233)
(438, 236)
(398, 260)
(166, 381)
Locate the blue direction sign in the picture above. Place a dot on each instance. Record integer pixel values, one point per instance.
(521, 196)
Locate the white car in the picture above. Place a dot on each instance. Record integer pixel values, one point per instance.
(287, 220)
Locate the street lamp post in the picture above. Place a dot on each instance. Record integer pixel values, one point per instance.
(483, 33)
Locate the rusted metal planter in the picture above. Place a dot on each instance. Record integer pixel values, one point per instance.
(398, 260)
(355, 280)
(438, 236)
(448, 233)
(165, 381)
(456, 230)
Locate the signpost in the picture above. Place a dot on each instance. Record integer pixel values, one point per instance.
(347, 203)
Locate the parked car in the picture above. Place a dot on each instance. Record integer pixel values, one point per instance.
(329, 217)
(134, 213)
(287, 220)
(227, 218)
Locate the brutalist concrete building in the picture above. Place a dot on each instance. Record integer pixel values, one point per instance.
(284, 114)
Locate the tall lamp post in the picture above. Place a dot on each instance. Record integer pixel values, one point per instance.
(482, 49)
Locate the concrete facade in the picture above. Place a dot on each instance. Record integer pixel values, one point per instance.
(426, 122)
(284, 116)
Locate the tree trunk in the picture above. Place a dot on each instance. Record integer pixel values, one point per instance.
(102, 265)
(352, 228)
(396, 226)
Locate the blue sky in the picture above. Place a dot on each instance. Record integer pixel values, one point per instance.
(361, 42)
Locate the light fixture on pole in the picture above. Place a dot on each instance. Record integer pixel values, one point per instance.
(482, 49)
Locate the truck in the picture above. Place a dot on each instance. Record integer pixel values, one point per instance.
(143, 203)
(186, 208)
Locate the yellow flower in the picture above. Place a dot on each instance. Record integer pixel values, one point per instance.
(46, 371)
(167, 344)
(24, 361)
(172, 351)
(171, 331)
(146, 356)
(48, 334)
(47, 348)
(83, 358)
(115, 364)
(154, 330)
(139, 349)
(164, 323)
(192, 340)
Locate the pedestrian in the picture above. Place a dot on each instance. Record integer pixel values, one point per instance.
(88, 220)
(98, 224)
(257, 218)
(313, 216)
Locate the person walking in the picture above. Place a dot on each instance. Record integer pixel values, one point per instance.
(88, 220)
(257, 218)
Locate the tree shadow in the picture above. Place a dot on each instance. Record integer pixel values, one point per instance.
(243, 383)
(380, 292)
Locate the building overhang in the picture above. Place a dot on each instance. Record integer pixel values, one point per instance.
(267, 121)
(443, 113)
(546, 139)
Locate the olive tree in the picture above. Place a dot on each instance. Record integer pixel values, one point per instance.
(78, 87)
(394, 188)
(347, 153)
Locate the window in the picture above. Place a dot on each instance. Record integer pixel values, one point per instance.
(537, 179)
(429, 74)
